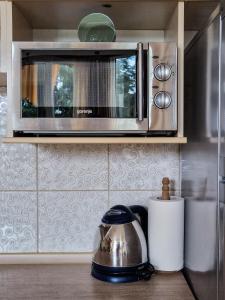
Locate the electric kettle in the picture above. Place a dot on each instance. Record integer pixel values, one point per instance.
(122, 250)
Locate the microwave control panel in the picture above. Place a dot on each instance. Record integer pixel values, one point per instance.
(162, 90)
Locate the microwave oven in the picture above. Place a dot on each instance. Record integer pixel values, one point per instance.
(94, 88)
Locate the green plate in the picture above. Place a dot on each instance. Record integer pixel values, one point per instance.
(96, 27)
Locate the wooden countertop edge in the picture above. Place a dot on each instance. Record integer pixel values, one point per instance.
(46, 258)
(96, 140)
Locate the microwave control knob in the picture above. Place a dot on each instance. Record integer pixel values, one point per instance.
(162, 72)
(162, 100)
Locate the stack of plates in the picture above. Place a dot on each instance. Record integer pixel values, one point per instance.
(96, 27)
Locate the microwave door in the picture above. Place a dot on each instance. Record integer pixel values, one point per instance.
(84, 91)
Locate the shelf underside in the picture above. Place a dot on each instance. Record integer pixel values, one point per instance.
(154, 15)
(68, 14)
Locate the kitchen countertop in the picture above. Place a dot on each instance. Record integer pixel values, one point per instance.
(73, 281)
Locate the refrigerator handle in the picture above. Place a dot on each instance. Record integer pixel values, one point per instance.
(140, 81)
(222, 179)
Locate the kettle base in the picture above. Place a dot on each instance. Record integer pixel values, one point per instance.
(122, 274)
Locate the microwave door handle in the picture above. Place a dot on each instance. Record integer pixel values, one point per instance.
(140, 81)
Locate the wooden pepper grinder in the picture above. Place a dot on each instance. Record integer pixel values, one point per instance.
(165, 188)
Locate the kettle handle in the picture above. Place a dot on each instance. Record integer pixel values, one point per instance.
(143, 213)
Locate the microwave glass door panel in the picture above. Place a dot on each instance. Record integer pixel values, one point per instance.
(79, 84)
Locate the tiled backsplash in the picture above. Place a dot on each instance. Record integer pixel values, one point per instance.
(52, 197)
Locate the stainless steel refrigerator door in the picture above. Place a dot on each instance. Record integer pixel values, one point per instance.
(221, 190)
(200, 162)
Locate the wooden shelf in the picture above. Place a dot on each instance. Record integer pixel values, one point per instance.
(97, 140)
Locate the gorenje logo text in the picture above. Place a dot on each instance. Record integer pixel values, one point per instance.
(84, 111)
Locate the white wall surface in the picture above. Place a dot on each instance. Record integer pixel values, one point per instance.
(122, 35)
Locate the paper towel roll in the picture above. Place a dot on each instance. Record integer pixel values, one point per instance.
(166, 233)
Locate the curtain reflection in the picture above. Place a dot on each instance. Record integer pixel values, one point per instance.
(29, 83)
(94, 83)
(38, 83)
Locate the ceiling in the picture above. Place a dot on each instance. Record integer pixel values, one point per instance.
(130, 15)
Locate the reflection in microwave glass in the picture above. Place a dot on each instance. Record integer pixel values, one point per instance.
(86, 87)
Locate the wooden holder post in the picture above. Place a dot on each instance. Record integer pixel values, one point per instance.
(165, 189)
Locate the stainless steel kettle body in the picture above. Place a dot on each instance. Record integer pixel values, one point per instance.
(121, 245)
(122, 250)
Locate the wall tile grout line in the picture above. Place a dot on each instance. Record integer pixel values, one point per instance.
(37, 185)
(92, 190)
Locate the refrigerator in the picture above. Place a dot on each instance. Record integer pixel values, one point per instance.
(203, 160)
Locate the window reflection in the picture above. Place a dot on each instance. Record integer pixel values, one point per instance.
(105, 86)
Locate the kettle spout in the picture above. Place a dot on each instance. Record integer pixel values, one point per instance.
(103, 230)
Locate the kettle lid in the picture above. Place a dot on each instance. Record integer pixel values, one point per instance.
(118, 214)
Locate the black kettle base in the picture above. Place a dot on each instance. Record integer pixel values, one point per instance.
(122, 274)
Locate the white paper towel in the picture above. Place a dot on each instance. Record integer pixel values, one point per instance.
(166, 233)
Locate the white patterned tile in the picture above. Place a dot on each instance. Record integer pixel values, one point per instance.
(142, 167)
(18, 222)
(73, 167)
(17, 167)
(68, 221)
(3, 112)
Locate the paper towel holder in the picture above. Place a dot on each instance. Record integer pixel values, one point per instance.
(165, 188)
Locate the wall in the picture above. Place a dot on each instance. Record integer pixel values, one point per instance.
(52, 197)
(69, 35)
